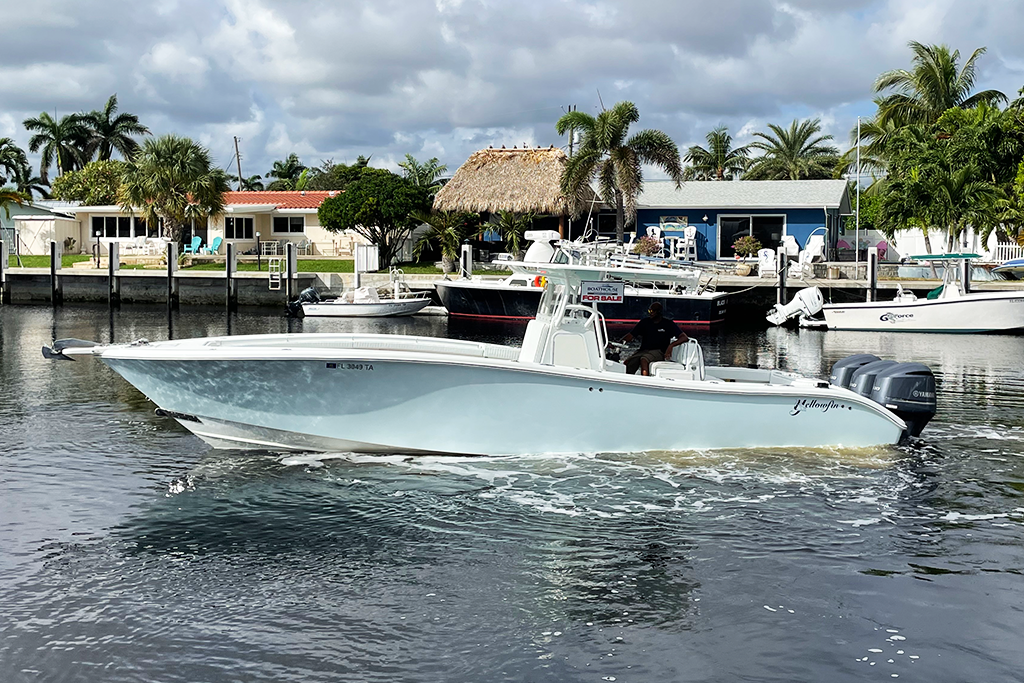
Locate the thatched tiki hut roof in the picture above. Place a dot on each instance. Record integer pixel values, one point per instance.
(518, 180)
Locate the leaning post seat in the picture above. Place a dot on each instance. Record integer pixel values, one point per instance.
(688, 363)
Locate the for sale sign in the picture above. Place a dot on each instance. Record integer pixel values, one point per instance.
(602, 292)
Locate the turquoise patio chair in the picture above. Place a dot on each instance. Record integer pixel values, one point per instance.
(214, 246)
(194, 247)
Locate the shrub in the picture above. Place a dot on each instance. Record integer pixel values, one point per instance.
(748, 245)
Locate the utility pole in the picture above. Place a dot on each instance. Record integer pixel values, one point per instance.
(572, 131)
(856, 246)
(238, 160)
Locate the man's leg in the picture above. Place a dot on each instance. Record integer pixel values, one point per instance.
(633, 364)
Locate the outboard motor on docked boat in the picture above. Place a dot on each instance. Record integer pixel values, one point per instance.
(842, 371)
(307, 296)
(908, 390)
(863, 378)
(806, 303)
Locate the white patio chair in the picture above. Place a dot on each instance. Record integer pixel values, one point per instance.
(765, 262)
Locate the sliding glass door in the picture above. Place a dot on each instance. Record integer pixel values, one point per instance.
(767, 229)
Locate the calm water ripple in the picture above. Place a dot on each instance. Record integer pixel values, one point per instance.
(131, 552)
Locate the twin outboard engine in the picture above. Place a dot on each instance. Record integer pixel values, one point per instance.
(906, 389)
(307, 296)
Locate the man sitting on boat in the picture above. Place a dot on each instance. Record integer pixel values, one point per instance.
(658, 336)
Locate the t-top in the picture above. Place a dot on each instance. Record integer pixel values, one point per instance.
(655, 335)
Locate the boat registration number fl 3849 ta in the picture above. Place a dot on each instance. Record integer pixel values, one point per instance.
(381, 393)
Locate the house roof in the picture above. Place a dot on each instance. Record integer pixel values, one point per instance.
(523, 180)
(746, 194)
(291, 199)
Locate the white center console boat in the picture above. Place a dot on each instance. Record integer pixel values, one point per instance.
(559, 392)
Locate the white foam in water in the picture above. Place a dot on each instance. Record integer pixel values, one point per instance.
(860, 522)
(771, 609)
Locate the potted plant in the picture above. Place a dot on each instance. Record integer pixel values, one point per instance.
(745, 247)
(647, 246)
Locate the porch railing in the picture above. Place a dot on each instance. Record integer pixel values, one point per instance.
(1006, 252)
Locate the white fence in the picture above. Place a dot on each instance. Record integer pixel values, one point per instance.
(1005, 252)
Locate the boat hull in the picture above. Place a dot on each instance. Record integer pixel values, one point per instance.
(976, 312)
(379, 402)
(474, 300)
(384, 309)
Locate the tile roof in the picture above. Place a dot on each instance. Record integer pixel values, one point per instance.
(292, 199)
(746, 194)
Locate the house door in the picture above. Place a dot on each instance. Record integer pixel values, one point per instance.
(732, 228)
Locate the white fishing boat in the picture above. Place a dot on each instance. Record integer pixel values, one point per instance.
(362, 302)
(561, 391)
(950, 308)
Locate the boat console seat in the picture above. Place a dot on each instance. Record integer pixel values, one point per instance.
(687, 363)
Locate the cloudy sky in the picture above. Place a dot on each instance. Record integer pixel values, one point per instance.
(332, 79)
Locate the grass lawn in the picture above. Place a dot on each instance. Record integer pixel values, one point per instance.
(44, 261)
(305, 266)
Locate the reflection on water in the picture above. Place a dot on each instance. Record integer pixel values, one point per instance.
(130, 551)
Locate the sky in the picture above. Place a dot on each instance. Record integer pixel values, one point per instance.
(444, 78)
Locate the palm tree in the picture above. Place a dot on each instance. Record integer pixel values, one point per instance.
(12, 158)
(63, 141)
(9, 196)
(719, 161)
(286, 172)
(447, 231)
(253, 183)
(512, 227)
(605, 154)
(27, 184)
(933, 85)
(109, 131)
(172, 178)
(424, 174)
(797, 153)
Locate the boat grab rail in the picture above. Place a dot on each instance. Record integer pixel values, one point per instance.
(379, 342)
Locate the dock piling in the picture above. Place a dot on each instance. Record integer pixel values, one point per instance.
(56, 258)
(230, 291)
(173, 299)
(291, 270)
(113, 283)
(872, 273)
(965, 275)
(781, 265)
(5, 293)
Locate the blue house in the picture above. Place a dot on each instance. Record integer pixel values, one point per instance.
(723, 211)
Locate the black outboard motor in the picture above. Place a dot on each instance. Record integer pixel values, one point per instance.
(908, 390)
(307, 296)
(863, 379)
(842, 371)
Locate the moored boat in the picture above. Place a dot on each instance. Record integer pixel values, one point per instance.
(952, 307)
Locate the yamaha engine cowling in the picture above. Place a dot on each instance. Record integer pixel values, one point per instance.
(906, 389)
(842, 371)
(863, 379)
(307, 296)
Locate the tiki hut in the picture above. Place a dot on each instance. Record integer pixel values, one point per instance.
(523, 180)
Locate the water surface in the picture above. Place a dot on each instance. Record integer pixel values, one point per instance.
(129, 551)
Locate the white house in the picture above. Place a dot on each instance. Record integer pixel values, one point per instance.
(275, 217)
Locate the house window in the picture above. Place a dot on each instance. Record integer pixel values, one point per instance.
(236, 228)
(118, 227)
(289, 223)
(767, 229)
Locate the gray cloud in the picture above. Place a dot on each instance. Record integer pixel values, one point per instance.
(338, 79)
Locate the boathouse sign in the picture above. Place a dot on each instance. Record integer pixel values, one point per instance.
(595, 291)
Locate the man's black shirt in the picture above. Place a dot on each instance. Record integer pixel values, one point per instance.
(655, 335)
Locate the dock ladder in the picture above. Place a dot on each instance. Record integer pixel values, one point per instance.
(274, 272)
